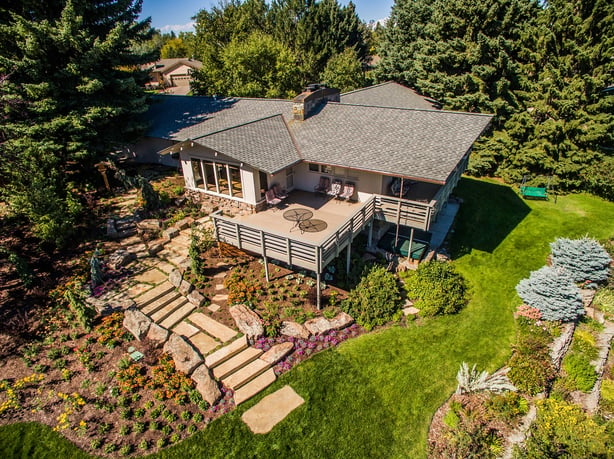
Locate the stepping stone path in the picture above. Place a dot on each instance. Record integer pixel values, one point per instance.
(227, 355)
(271, 410)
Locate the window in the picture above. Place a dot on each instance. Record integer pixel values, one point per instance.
(218, 178)
(314, 167)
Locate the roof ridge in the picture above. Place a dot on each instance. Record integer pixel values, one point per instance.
(369, 87)
(433, 110)
(239, 125)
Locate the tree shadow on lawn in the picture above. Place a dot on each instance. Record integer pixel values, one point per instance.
(489, 213)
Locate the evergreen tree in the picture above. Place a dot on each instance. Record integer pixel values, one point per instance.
(463, 53)
(72, 81)
(567, 128)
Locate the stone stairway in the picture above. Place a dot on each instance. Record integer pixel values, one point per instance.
(231, 361)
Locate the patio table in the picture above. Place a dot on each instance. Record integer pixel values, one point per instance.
(312, 226)
(297, 216)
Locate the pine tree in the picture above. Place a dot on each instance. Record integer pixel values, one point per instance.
(567, 127)
(465, 54)
(75, 92)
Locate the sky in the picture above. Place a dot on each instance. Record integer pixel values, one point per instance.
(177, 15)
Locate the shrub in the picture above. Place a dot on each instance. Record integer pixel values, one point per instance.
(192, 429)
(143, 445)
(507, 407)
(138, 427)
(474, 381)
(563, 430)
(437, 288)
(198, 417)
(201, 240)
(580, 372)
(96, 443)
(125, 450)
(161, 443)
(375, 300)
(531, 369)
(552, 291)
(604, 301)
(124, 430)
(585, 259)
(109, 448)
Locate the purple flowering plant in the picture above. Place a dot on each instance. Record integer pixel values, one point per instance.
(304, 348)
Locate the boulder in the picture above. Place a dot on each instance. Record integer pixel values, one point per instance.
(247, 321)
(277, 352)
(293, 329)
(151, 225)
(185, 356)
(120, 258)
(171, 232)
(111, 230)
(155, 247)
(184, 223)
(341, 320)
(157, 334)
(196, 298)
(136, 323)
(206, 385)
(175, 277)
(185, 287)
(321, 325)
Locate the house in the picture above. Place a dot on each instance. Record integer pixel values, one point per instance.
(401, 154)
(172, 73)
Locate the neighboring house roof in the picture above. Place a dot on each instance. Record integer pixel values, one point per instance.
(264, 144)
(167, 65)
(389, 94)
(410, 142)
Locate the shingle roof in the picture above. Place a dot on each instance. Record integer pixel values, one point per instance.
(264, 144)
(389, 94)
(165, 65)
(423, 144)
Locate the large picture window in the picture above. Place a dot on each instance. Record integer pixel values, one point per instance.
(220, 178)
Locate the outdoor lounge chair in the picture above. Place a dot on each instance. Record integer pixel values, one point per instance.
(271, 200)
(323, 186)
(279, 193)
(348, 191)
(335, 189)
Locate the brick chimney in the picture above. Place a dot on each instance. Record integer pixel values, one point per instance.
(312, 97)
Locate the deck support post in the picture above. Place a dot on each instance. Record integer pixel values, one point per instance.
(411, 241)
(348, 258)
(264, 258)
(370, 239)
(318, 291)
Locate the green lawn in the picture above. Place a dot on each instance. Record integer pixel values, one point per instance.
(374, 395)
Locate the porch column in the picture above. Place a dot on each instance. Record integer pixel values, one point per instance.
(318, 291)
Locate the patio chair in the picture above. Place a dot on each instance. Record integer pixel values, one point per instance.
(279, 192)
(271, 200)
(348, 191)
(335, 189)
(323, 186)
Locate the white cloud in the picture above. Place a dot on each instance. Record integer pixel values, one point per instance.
(187, 27)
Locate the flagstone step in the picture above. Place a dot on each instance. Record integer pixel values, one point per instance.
(185, 329)
(255, 386)
(161, 302)
(225, 353)
(168, 309)
(203, 342)
(153, 294)
(178, 315)
(212, 327)
(235, 363)
(246, 374)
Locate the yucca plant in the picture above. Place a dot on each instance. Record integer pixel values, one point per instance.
(472, 380)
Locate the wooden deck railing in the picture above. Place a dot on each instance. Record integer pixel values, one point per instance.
(290, 250)
(409, 213)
